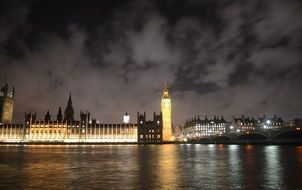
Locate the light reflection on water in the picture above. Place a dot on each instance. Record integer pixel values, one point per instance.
(150, 167)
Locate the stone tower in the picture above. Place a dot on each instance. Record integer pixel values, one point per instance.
(166, 115)
(6, 104)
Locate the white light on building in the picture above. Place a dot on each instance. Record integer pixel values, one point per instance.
(126, 119)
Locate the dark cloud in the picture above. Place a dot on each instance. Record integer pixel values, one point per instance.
(223, 57)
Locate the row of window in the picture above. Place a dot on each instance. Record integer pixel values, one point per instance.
(209, 128)
(149, 141)
(271, 123)
(211, 124)
(248, 128)
(73, 126)
(148, 136)
(45, 131)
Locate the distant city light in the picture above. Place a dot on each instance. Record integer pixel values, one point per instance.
(268, 122)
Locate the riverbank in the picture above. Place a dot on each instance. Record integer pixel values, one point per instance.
(133, 143)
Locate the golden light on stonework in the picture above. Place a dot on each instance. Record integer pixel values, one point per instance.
(166, 115)
(172, 138)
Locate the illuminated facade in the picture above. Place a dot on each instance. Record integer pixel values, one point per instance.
(67, 130)
(73, 132)
(11, 132)
(196, 127)
(249, 124)
(267, 122)
(6, 104)
(244, 124)
(166, 115)
(149, 131)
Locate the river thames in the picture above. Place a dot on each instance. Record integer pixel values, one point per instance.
(169, 166)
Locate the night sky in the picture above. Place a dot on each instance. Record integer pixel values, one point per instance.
(218, 57)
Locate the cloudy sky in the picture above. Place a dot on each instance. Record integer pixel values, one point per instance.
(218, 57)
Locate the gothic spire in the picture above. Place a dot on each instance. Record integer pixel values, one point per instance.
(69, 100)
(59, 115)
(69, 113)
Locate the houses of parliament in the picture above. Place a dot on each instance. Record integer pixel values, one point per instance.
(64, 128)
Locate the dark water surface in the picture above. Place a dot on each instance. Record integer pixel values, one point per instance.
(167, 166)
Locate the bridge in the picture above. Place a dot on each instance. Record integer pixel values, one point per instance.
(281, 135)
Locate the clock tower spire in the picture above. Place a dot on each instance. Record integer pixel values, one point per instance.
(166, 114)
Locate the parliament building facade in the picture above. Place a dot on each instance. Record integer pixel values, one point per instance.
(66, 129)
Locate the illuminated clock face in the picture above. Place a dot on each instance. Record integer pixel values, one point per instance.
(166, 104)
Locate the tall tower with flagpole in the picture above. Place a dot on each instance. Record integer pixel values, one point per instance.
(166, 115)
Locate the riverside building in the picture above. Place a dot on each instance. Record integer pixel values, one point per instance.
(66, 129)
(244, 124)
(249, 124)
(196, 127)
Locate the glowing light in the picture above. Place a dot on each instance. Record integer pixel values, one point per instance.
(268, 122)
(231, 127)
(166, 114)
(126, 119)
(264, 126)
(238, 130)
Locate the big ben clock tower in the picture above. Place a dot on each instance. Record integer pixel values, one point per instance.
(166, 114)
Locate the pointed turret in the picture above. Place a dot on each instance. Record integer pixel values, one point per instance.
(4, 89)
(47, 116)
(69, 100)
(59, 115)
(69, 113)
